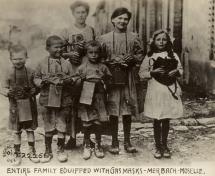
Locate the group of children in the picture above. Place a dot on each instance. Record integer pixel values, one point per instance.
(55, 79)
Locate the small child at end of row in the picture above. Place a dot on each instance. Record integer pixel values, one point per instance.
(161, 67)
(18, 86)
(92, 110)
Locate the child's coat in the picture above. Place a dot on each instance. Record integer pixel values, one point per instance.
(21, 78)
(97, 110)
(54, 118)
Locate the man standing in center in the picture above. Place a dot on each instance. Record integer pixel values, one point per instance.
(122, 50)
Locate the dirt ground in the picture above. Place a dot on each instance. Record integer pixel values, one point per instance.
(188, 146)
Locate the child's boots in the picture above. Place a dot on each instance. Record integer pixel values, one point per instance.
(87, 150)
(32, 153)
(99, 153)
(48, 151)
(71, 144)
(114, 149)
(165, 132)
(165, 149)
(159, 150)
(127, 143)
(17, 153)
(127, 128)
(61, 154)
(166, 152)
(129, 148)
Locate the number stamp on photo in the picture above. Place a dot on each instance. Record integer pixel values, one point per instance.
(9, 154)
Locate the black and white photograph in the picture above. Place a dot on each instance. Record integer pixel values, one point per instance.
(107, 87)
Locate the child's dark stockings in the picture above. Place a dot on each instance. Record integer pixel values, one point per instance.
(48, 143)
(127, 128)
(97, 128)
(161, 131)
(114, 130)
(87, 130)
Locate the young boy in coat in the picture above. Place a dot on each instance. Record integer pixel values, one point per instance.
(18, 86)
(55, 96)
(95, 113)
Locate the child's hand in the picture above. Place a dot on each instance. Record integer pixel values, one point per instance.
(19, 93)
(82, 76)
(80, 44)
(72, 54)
(33, 91)
(157, 71)
(74, 57)
(45, 82)
(128, 58)
(68, 81)
(11, 93)
(75, 61)
(174, 73)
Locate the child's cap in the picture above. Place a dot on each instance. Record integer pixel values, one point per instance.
(78, 4)
(16, 49)
(54, 39)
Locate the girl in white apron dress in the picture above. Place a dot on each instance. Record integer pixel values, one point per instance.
(161, 67)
